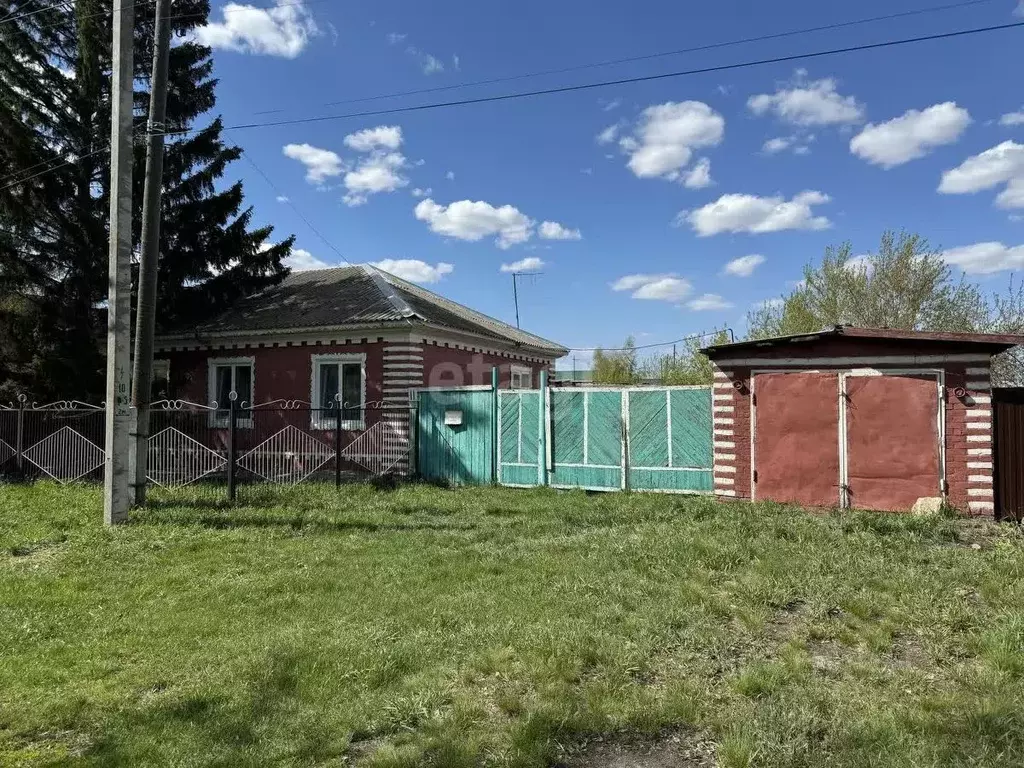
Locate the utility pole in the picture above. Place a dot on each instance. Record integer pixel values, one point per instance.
(118, 413)
(145, 319)
(515, 290)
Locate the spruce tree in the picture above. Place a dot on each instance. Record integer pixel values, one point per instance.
(55, 107)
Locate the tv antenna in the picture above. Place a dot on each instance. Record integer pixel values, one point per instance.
(515, 289)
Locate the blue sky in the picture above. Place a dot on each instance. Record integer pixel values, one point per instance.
(636, 197)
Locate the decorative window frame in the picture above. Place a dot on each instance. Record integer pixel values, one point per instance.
(212, 364)
(317, 418)
(520, 370)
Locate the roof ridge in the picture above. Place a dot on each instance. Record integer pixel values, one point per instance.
(388, 291)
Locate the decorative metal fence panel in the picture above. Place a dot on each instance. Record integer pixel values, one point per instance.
(280, 442)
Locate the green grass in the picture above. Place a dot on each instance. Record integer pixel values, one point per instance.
(497, 627)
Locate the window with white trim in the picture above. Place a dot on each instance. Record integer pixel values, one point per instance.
(227, 375)
(522, 377)
(334, 375)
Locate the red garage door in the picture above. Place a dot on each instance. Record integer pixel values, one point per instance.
(892, 440)
(796, 438)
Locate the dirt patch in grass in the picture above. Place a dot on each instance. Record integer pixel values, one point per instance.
(669, 749)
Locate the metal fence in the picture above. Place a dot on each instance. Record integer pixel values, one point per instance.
(281, 442)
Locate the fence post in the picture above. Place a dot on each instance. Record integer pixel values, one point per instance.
(232, 427)
(20, 437)
(494, 425)
(337, 439)
(542, 447)
(414, 433)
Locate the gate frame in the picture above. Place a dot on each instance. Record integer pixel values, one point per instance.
(541, 436)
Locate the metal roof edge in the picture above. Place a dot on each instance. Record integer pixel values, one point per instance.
(388, 291)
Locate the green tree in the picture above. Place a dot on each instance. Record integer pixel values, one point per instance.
(54, 103)
(617, 366)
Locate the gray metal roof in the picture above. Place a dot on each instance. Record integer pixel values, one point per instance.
(358, 295)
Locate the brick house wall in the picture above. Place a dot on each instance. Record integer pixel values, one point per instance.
(967, 410)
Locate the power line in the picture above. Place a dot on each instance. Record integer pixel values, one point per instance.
(284, 198)
(45, 171)
(649, 56)
(623, 81)
(691, 337)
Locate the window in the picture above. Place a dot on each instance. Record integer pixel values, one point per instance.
(522, 377)
(227, 376)
(333, 375)
(160, 388)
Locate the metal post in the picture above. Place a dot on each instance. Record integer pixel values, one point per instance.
(542, 445)
(20, 437)
(494, 424)
(337, 440)
(115, 477)
(515, 296)
(232, 430)
(145, 323)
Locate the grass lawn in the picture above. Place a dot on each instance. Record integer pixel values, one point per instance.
(503, 627)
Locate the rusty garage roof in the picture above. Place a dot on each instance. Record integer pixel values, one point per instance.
(982, 342)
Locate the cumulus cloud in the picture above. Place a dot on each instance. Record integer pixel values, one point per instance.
(474, 220)
(744, 266)
(418, 192)
(528, 264)
(1002, 164)
(665, 136)
(666, 287)
(910, 136)
(321, 164)
(414, 270)
(753, 214)
(282, 30)
(381, 137)
(1012, 118)
(450, 175)
(699, 176)
(609, 134)
(301, 260)
(776, 145)
(808, 103)
(431, 64)
(552, 230)
(377, 172)
(750, 213)
(986, 258)
(707, 302)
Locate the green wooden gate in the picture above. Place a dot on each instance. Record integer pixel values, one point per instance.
(586, 440)
(463, 453)
(670, 439)
(521, 454)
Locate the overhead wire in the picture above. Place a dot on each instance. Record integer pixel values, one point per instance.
(691, 337)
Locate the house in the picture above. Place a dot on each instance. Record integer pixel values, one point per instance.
(356, 331)
(858, 417)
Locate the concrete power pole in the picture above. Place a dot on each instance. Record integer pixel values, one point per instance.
(118, 415)
(145, 319)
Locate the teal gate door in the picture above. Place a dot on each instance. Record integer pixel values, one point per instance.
(586, 442)
(670, 439)
(455, 439)
(521, 454)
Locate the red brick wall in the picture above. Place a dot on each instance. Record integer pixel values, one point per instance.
(968, 417)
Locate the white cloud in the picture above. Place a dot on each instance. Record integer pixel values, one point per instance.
(417, 192)
(860, 263)
(609, 134)
(1012, 118)
(282, 199)
(450, 175)
(377, 172)
(474, 220)
(302, 260)
(282, 30)
(552, 230)
(708, 301)
(394, 38)
(1019, 10)
(910, 136)
(1002, 164)
(523, 265)
(320, 164)
(750, 213)
(776, 303)
(381, 137)
(744, 266)
(666, 135)
(808, 103)
(431, 64)
(986, 258)
(699, 176)
(607, 105)
(666, 287)
(455, 62)
(414, 270)
(776, 145)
